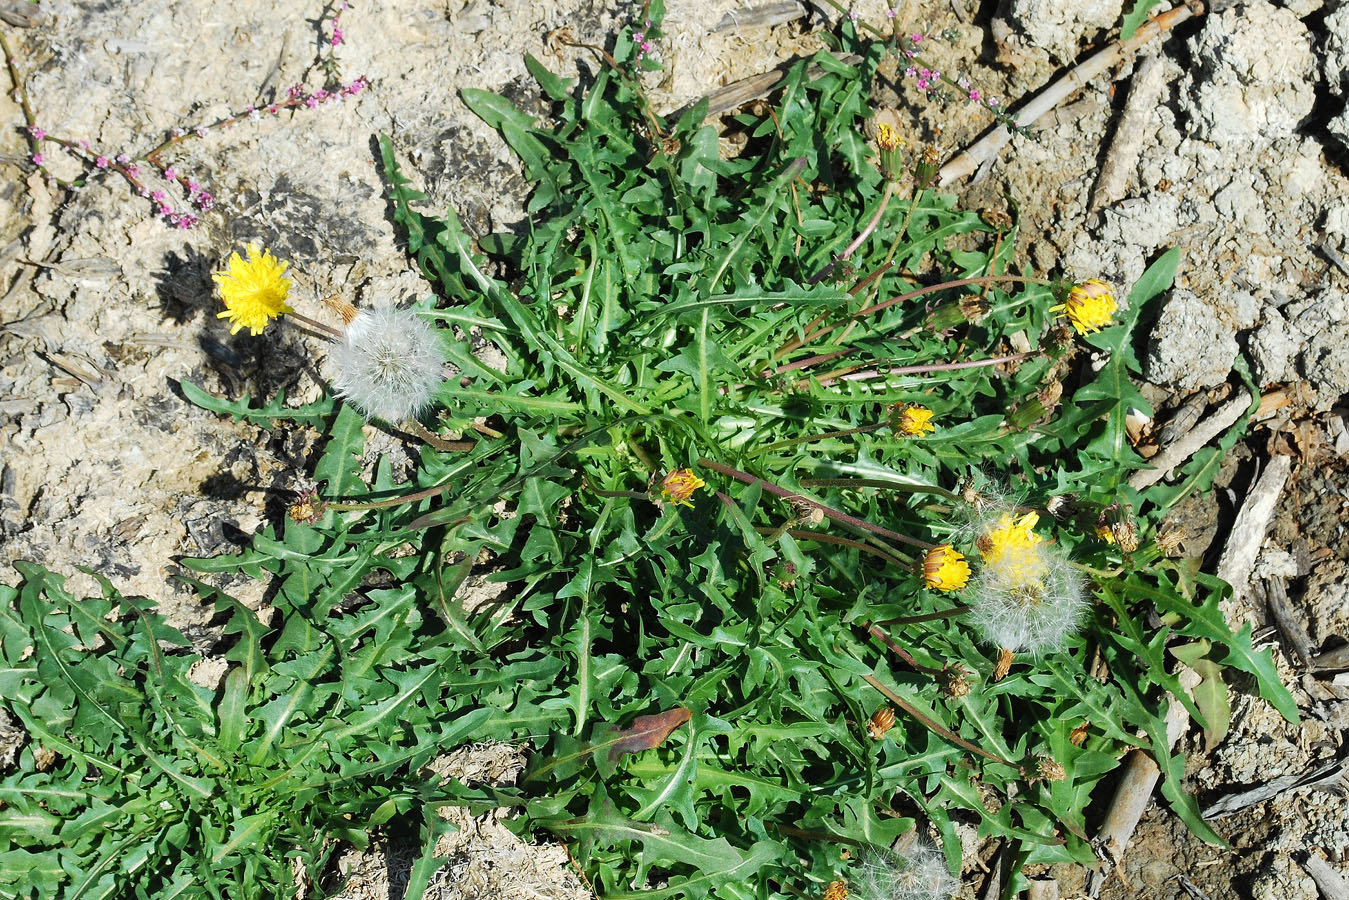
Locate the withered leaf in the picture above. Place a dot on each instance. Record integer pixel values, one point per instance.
(647, 732)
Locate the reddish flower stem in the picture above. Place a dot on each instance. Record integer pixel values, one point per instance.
(830, 512)
(810, 336)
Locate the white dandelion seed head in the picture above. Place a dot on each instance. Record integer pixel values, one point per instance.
(1031, 602)
(388, 364)
(916, 873)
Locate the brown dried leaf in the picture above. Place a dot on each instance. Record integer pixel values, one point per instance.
(647, 732)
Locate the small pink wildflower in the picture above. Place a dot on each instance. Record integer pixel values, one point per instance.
(101, 162)
(171, 173)
(123, 158)
(179, 132)
(992, 101)
(647, 46)
(337, 36)
(853, 15)
(891, 13)
(273, 109)
(916, 37)
(974, 94)
(201, 131)
(205, 200)
(193, 187)
(37, 133)
(158, 196)
(295, 91)
(165, 209)
(133, 171)
(38, 159)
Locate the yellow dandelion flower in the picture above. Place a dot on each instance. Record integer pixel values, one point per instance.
(945, 569)
(837, 890)
(254, 290)
(1105, 533)
(678, 486)
(912, 419)
(1010, 549)
(887, 138)
(1089, 307)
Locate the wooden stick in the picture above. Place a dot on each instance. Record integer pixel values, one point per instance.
(1331, 883)
(1248, 531)
(1075, 78)
(1145, 89)
(1135, 792)
(1189, 444)
(765, 15)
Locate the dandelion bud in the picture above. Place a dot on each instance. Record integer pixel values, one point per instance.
(882, 720)
(1078, 736)
(1050, 769)
(945, 569)
(954, 683)
(1004, 665)
(974, 308)
(1169, 541)
(308, 507)
(806, 513)
(388, 364)
(1089, 307)
(928, 163)
(890, 145)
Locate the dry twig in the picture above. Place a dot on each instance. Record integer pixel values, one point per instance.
(1134, 793)
(1248, 531)
(1075, 78)
(1189, 444)
(1145, 89)
(1331, 883)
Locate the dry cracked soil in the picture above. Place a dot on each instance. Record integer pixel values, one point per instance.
(1229, 137)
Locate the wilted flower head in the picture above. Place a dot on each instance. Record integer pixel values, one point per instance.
(254, 289)
(1026, 598)
(1089, 306)
(918, 873)
(678, 486)
(388, 364)
(837, 890)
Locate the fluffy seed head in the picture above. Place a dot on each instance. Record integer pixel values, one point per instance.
(1026, 598)
(388, 364)
(918, 873)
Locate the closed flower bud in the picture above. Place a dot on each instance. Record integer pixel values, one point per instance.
(1050, 769)
(974, 307)
(954, 684)
(881, 721)
(805, 513)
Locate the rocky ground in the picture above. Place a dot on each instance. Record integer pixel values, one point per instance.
(1241, 157)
